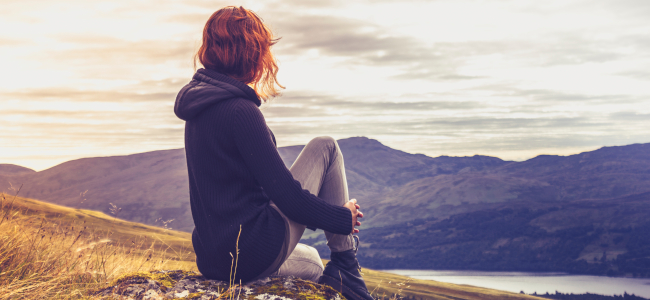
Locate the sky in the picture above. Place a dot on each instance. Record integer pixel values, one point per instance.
(511, 79)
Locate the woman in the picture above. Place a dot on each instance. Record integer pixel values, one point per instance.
(249, 210)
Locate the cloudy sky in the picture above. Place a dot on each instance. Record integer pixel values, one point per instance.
(511, 79)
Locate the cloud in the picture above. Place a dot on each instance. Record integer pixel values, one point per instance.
(369, 43)
(630, 116)
(637, 74)
(542, 123)
(365, 43)
(11, 42)
(67, 122)
(120, 59)
(295, 103)
(90, 95)
(541, 98)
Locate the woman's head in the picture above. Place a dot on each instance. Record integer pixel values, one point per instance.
(238, 44)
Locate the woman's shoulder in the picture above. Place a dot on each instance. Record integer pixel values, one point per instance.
(237, 112)
(244, 103)
(245, 108)
(234, 106)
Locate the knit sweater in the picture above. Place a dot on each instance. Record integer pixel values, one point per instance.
(234, 171)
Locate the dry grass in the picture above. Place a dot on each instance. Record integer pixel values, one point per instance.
(52, 252)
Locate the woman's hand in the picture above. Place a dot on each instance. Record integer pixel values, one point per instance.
(354, 208)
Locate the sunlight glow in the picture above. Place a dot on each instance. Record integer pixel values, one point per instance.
(511, 79)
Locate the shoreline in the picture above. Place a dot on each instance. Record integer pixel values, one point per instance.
(546, 273)
(535, 282)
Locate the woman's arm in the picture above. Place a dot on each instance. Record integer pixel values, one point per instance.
(263, 160)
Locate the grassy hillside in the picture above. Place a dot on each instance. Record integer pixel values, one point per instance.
(50, 251)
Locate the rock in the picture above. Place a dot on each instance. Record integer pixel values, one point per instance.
(191, 285)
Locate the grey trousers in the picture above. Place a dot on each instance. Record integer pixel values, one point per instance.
(319, 168)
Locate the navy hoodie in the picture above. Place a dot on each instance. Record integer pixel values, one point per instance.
(234, 171)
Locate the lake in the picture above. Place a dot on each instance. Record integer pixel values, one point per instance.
(537, 282)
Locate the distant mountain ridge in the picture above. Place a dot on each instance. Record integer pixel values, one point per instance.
(154, 186)
(392, 184)
(147, 186)
(393, 187)
(12, 170)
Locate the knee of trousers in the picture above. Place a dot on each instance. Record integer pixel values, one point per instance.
(303, 263)
(316, 271)
(324, 142)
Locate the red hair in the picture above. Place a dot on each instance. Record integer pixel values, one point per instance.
(238, 44)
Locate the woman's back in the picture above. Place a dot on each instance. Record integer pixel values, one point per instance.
(249, 211)
(234, 172)
(223, 192)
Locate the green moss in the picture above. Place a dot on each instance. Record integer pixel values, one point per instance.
(165, 279)
(136, 276)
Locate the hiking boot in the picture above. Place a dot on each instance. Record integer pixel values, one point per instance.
(342, 273)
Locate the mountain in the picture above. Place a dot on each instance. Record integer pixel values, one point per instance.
(12, 170)
(147, 186)
(609, 172)
(601, 237)
(601, 194)
(153, 187)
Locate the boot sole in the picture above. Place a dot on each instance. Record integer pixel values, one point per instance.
(336, 284)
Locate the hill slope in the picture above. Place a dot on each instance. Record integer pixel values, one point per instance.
(147, 186)
(13, 170)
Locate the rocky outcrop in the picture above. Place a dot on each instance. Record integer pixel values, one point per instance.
(191, 285)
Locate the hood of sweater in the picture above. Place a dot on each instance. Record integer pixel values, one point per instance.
(207, 88)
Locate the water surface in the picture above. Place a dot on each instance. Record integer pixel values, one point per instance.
(537, 282)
